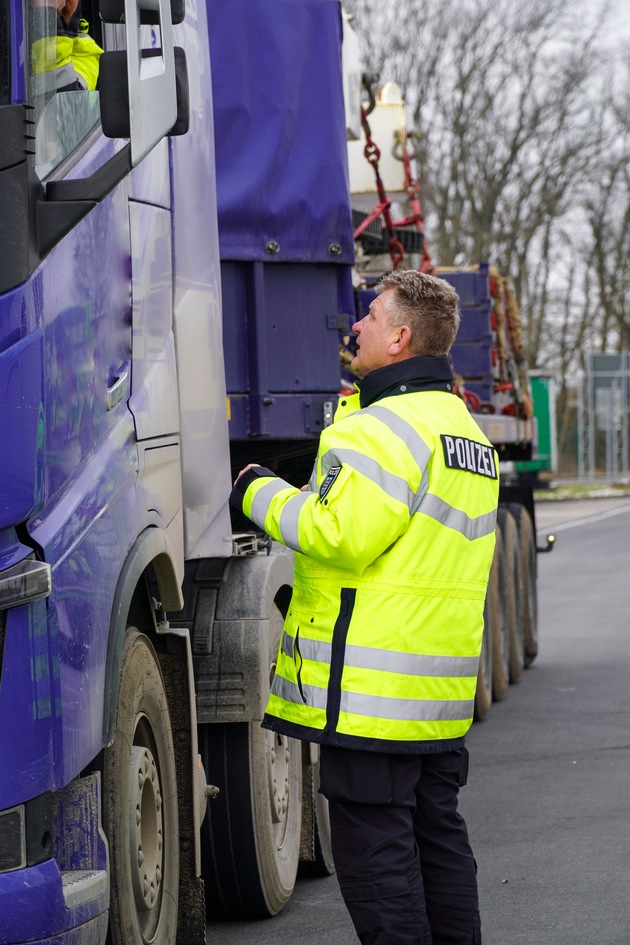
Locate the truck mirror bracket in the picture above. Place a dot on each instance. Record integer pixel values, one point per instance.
(66, 202)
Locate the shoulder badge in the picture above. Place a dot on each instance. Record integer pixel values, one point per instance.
(469, 456)
(330, 477)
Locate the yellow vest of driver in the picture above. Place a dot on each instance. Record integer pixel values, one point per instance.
(71, 57)
(393, 544)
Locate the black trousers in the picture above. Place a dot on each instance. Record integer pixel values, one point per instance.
(401, 850)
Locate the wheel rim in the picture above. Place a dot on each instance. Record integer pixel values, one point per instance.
(146, 838)
(278, 772)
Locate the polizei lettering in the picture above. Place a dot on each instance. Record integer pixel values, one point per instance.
(468, 455)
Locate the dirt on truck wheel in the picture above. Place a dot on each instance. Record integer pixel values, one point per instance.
(529, 594)
(512, 575)
(483, 693)
(250, 838)
(140, 805)
(500, 641)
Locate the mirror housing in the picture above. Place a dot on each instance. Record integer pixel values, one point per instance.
(143, 91)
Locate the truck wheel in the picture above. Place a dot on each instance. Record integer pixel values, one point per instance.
(512, 559)
(483, 693)
(140, 805)
(250, 839)
(529, 593)
(498, 615)
(315, 845)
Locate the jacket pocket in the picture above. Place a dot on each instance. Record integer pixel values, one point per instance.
(297, 659)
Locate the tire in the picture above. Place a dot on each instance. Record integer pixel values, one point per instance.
(499, 624)
(512, 575)
(483, 693)
(250, 839)
(315, 845)
(140, 805)
(529, 590)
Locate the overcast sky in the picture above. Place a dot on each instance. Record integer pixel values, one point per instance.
(619, 17)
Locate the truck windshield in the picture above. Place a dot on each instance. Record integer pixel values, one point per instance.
(63, 78)
(5, 54)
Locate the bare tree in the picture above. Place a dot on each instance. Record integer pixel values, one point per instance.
(608, 213)
(518, 129)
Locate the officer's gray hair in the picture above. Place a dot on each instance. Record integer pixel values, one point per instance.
(430, 306)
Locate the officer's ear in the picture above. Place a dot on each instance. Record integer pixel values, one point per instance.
(401, 341)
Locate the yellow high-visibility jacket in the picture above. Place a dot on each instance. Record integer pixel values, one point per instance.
(394, 541)
(72, 55)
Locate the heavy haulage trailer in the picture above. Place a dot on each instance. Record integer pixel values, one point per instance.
(177, 280)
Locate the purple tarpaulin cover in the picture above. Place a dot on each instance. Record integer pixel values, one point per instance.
(280, 129)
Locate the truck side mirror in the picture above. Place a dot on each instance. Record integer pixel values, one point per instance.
(143, 91)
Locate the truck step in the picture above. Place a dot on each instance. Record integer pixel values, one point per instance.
(80, 886)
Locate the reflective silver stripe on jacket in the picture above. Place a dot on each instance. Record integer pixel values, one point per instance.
(379, 707)
(315, 650)
(444, 513)
(394, 486)
(288, 522)
(398, 488)
(262, 500)
(367, 657)
(315, 696)
(420, 451)
(406, 710)
(67, 75)
(408, 664)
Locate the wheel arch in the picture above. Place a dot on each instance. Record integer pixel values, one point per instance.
(229, 643)
(252, 584)
(152, 549)
(151, 562)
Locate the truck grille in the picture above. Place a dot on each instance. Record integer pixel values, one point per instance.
(12, 839)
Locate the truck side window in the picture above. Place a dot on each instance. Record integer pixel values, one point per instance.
(63, 85)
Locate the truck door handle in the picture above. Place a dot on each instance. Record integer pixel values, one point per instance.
(117, 391)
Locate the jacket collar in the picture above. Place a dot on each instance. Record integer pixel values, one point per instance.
(405, 377)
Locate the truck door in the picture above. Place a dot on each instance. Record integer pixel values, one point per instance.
(73, 236)
(80, 300)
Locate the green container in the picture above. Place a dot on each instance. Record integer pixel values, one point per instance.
(545, 457)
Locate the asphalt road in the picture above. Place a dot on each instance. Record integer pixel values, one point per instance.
(548, 799)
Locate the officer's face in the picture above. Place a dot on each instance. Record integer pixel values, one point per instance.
(376, 336)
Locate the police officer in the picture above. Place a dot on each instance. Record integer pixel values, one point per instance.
(378, 660)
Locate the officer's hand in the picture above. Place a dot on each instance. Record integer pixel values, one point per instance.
(244, 470)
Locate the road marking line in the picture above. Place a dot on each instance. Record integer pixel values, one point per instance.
(598, 517)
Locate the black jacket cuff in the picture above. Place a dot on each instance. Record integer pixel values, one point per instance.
(239, 490)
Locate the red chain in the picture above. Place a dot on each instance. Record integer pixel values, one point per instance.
(373, 156)
(412, 186)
